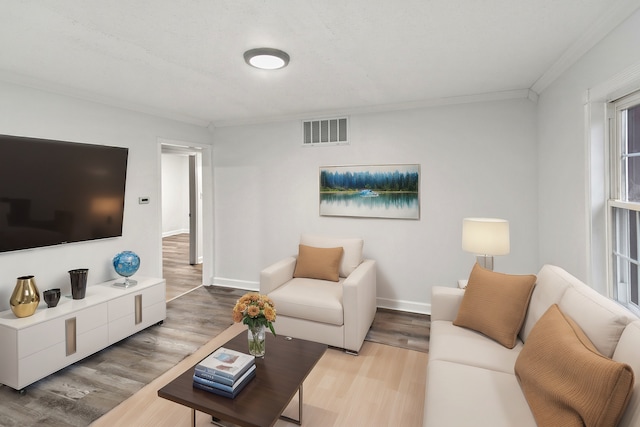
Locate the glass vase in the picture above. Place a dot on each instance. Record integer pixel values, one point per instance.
(256, 341)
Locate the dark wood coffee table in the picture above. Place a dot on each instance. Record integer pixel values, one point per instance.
(279, 376)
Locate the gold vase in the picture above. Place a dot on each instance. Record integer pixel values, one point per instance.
(25, 297)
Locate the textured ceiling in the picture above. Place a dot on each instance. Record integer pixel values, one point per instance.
(183, 58)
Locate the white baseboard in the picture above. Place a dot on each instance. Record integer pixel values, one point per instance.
(174, 232)
(408, 306)
(236, 284)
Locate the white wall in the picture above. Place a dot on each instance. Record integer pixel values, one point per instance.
(28, 112)
(564, 153)
(175, 194)
(476, 160)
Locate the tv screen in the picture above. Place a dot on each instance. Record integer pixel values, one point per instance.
(54, 192)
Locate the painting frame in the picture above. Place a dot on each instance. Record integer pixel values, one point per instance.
(389, 191)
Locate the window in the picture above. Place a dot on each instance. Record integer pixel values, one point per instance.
(624, 202)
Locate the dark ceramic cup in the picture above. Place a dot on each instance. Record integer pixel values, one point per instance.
(51, 297)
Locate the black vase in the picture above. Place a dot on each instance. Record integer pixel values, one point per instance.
(78, 282)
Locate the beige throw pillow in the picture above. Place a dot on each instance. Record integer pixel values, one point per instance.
(566, 381)
(352, 256)
(495, 304)
(318, 263)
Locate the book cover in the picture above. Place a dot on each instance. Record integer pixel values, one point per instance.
(226, 363)
(241, 385)
(229, 388)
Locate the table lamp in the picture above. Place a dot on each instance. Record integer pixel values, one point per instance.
(485, 237)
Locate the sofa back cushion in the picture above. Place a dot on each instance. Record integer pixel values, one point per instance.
(352, 256)
(566, 381)
(628, 351)
(495, 304)
(551, 284)
(599, 317)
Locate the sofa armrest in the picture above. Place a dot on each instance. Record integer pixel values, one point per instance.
(359, 299)
(445, 303)
(277, 274)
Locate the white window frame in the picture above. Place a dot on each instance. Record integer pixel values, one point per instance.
(597, 134)
(619, 205)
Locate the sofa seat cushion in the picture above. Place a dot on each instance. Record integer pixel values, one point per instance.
(467, 396)
(461, 345)
(495, 304)
(566, 381)
(310, 299)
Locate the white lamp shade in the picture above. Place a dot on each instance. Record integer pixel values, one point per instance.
(485, 236)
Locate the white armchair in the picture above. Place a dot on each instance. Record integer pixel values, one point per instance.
(339, 313)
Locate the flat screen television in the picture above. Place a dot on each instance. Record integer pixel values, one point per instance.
(55, 192)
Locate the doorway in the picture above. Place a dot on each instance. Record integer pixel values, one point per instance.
(182, 212)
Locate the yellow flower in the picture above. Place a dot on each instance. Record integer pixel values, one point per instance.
(253, 311)
(269, 313)
(237, 316)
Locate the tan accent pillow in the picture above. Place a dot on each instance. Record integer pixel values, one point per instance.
(495, 304)
(318, 263)
(566, 381)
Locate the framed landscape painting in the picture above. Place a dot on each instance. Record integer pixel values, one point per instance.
(376, 191)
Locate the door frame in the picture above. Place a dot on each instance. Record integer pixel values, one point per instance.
(206, 200)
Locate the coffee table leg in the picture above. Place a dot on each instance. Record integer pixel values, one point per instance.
(299, 420)
(193, 417)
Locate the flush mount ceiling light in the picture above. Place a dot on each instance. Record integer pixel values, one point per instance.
(266, 58)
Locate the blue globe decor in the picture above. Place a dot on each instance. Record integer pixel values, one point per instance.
(126, 263)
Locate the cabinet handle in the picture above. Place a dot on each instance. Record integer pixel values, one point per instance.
(138, 302)
(70, 335)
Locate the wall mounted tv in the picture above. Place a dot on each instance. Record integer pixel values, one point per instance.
(54, 192)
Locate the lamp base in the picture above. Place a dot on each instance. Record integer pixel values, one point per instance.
(485, 261)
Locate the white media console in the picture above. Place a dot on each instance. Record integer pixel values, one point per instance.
(36, 346)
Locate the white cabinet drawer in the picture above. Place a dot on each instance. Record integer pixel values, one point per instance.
(45, 362)
(126, 305)
(125, 326)
(47, 334)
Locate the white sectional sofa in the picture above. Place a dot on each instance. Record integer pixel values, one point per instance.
(471, 379)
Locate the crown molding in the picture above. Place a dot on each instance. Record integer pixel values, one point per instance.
(382, 108)
(63, 90)
(617, 86)
(614, 16)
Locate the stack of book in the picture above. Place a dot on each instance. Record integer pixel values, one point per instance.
(224, 372)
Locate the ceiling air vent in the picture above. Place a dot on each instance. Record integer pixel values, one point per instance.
(325, 132)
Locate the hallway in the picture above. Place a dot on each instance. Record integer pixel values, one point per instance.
(181, 277)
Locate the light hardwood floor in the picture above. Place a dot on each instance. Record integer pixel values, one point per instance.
(383, 386)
